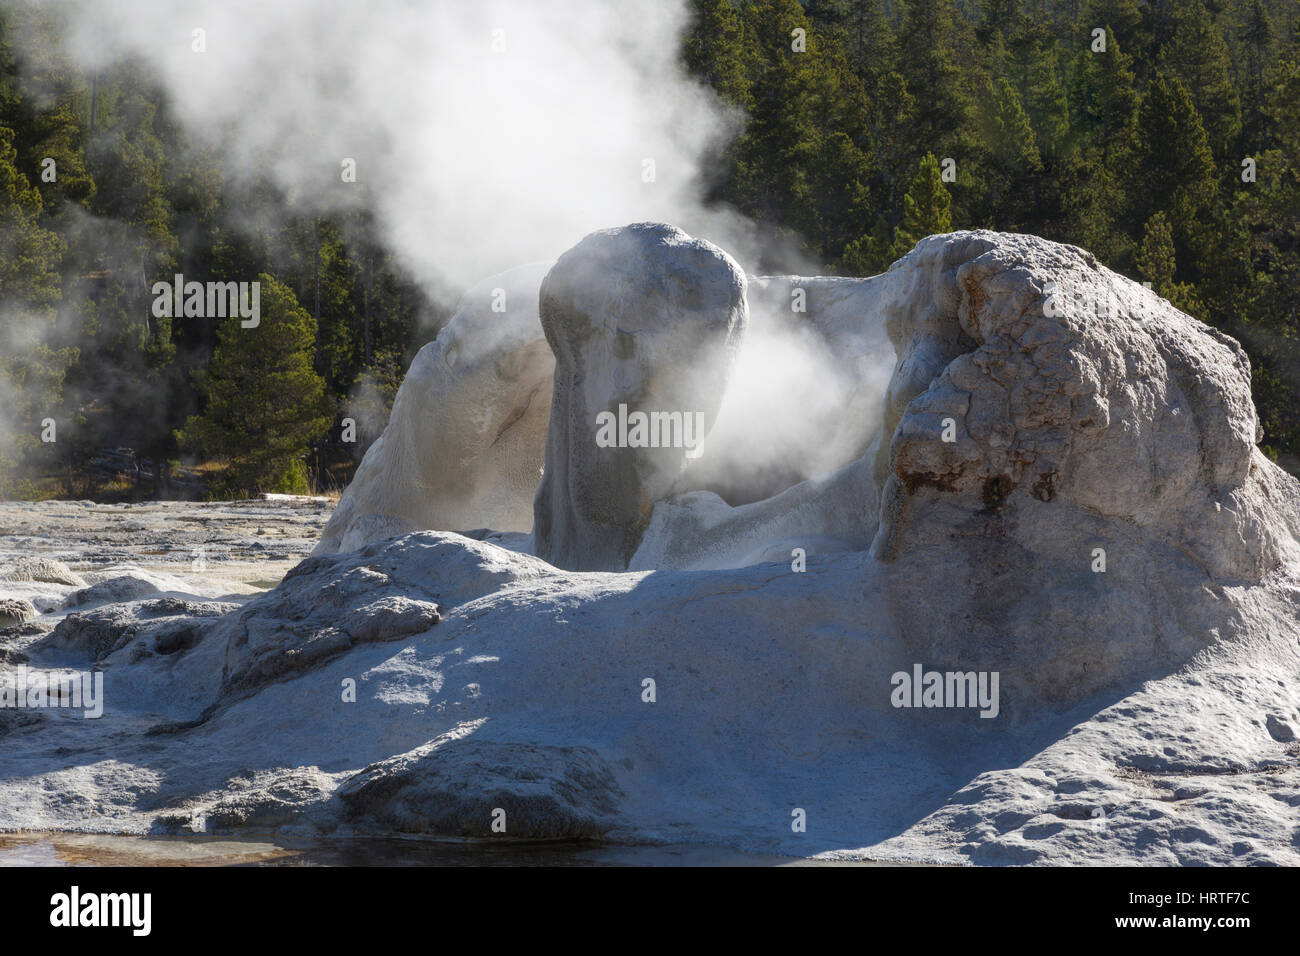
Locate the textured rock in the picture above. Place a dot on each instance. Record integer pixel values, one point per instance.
(1093, 422)
(1077, 387)
(698, 531)
(456, 786)
(124, 587)
(803, 403)
(463, 446)
(160, 627)
(41, 569)
(15, 611)
(262, 799)
(1147, 712)
(642, 318)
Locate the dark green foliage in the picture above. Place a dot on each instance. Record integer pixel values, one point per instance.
(925, 208)
(1135, 153)
(129, 200)
(265, 404)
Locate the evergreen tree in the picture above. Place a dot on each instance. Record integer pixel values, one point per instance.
(1046, 99)
(713, 49)
(890, 122)
(59, 136)
(1198, 56)
(1014, 158)
(872, 48)
(265, 403)
(1106, 99)
(129, 163)
(869, 254)
(925, 208)
(1094, 180)
(1267, 304)
(1158, 263)
(1006, 128)
(29, 253)
(31, 372)
(1123, 20)
(1173, 170)
(1257, 36)
(930, 68)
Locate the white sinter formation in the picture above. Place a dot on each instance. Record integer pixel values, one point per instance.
(1031, 596)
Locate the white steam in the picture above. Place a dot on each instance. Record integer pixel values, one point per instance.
(484, 134)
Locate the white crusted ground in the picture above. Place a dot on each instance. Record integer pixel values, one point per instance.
(527, 695)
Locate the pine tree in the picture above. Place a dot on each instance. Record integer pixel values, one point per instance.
(31, 372)
(1158, 263)
(871, 253)
(1094, 179)
(1198, 56)
(771, 182)
(129, 164)
(890, 120)
(713, 49)
(29, 253)
(926, 208)
(265, 403)
(839, 192)
(59, 137)
(930, 68)
(1124, 20)
(1173, 170)
(1014, 161)
(1043, 90)
(1105, 98)
(1267, 304)
(1257, 37)
(872, 48)
(998, 18)
(1006, 128)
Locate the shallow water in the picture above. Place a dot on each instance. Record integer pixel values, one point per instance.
(85, 849)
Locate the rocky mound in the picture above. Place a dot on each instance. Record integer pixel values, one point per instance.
(1049, 613)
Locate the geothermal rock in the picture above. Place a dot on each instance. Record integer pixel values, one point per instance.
(463, 446)
(643, 321)
(1147, 710)
(15, 611)
(552, 793)
(836, 415)
(41, 570)
(163, 626)
(1102, 460)
(803, 403)
(128, 586)
(698, 531)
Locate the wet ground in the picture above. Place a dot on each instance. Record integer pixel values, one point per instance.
(76, 849)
